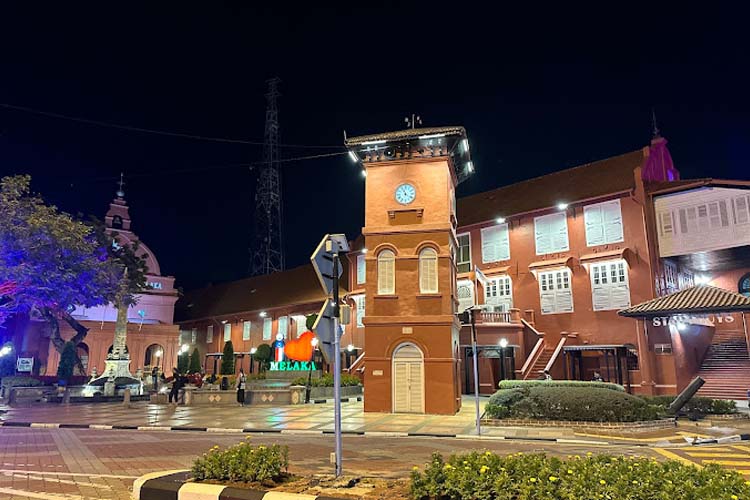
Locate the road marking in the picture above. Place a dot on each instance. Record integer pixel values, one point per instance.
(72, 474)
(639, 440)
(43, 496)
(674, 456)
(730, 463)
(702, 454)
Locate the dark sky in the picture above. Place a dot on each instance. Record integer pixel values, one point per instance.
(538, 90)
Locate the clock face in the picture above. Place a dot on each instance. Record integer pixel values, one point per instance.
(405, 194)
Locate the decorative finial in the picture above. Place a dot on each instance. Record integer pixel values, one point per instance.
(415, 120)
(654, 129)
(120, 191)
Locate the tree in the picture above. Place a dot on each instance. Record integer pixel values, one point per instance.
(195, 361)
(263, 355)
(51, 262)
(68, 361)
(227, 359)
(183, 362)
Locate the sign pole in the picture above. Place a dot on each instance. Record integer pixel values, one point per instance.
(476, 368)
(336, 363)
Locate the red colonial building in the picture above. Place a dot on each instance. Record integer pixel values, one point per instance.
(546, 263)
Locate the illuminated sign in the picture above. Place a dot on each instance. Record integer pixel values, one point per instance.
(707, 320)
(292, 366)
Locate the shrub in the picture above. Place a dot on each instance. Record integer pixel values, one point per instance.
(487, 476)
(589, 404)
(195, 361)
(19, 381)
(327, 381)
(227, 359)
(695, 405)
(243, 463)
(526, 384)
(263, 355)
(68, 361)
(183, 362)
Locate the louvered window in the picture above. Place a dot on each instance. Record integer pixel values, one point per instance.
(603, 223)
(386, 273)
(495, 243)
(609, 285)
(428, 279)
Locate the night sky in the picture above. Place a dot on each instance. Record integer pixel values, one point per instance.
(537, 91)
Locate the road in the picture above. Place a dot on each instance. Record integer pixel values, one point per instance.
(83, 464)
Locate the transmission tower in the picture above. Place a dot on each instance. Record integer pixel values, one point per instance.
(267, 254)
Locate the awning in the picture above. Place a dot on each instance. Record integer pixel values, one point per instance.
(701, 299)
(493, 271)
(598, 347)
(621, 253)
(538, 265)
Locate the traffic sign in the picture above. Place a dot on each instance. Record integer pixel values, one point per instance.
(324, 330)
(322, 259)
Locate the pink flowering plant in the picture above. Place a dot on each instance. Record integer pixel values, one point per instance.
(488, 476)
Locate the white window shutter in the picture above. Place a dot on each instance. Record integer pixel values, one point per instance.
(283, 327)
(246, 325)
(542, 236)
(504, 243)
(209, 334)
(547, 301)
(592, 216)
(227, 332)
(564, 301)
(560, 233)
(386, 273)
(301, 321)
(267, 327)
(361, 269)
(495, 243)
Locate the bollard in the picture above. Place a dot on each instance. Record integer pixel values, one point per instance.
(126, 397)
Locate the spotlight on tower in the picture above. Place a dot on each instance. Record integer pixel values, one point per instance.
(562, 206)
(500, 220)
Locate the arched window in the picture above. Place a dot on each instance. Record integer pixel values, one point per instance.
(386, 272)
(117, 222)
(428, 279)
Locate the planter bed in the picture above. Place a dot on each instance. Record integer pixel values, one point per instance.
(646, 425)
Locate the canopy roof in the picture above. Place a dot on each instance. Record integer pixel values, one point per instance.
(701, 299)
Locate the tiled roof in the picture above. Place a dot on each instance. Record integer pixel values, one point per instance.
(600, 178)
(669, 186)
(294, 286)
(701, 299)
(405, 134)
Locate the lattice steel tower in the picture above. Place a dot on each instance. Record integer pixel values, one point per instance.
(267, 251)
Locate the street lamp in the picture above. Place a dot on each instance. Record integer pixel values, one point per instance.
(5, 350)
(314, 344)
(468, 316)
(253, 350)
(184, 348)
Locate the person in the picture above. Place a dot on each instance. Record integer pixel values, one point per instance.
(177, 384)
(155, 378)
(597, 377)
(547, 376)
(241, 381)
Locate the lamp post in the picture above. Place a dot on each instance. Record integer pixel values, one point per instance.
(314, 343)
(503, 344)
(469, 316)
(253, 350)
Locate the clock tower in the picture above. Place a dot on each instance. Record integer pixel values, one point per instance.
(411, 330)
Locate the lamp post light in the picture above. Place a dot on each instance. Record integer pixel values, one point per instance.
(253, 350)
(503, 344)
(5, 350)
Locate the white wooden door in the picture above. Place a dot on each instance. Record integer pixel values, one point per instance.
(408, 380)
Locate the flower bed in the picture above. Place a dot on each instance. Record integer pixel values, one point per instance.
(243, 463)
(487, 476)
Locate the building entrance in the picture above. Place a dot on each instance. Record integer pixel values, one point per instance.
(408, 379)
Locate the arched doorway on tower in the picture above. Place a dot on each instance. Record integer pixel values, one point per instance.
(408, 379)
(153, 357)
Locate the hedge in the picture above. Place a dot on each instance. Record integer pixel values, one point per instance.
(695, 405)
(525, 384)
(20, 381)
(588, 404)
(488, 476)
(327, 381)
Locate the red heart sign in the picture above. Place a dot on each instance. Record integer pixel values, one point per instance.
(300, 349)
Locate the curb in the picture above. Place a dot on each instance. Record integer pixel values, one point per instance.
(173, 485)
(331, 401)
(304, 432)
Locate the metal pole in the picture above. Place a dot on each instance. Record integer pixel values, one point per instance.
(336, 364)
(476, 369)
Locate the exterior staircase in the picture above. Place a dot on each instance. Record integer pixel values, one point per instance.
(726, 367)
(538, 367)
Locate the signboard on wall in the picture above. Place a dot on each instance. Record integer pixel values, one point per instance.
(24, 364)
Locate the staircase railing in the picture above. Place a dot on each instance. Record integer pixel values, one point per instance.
(355, 366)
(556, 354)
(536, 351)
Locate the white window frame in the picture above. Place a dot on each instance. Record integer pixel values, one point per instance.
(301, 321)
(495, 247)
(458, 253)
(386, 272)
(209, 334)
(601, 227)
(553, 283)
(267, 328)
(464, 284)
(193, 335)
(361, 269)
(359, 309)
(246, 329)
(499, 291)
(544, 222)
(227, 331)
(428, 270)
(608, 278)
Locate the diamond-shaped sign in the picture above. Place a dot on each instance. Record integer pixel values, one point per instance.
(322, 259)
(323, 328)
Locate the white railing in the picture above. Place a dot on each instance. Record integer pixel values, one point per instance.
(556, 354)
(357, 361)
(494, 317)
(532, 357)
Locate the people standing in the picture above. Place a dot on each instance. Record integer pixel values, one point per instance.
(155, 378)
(241, 381)
(176, 386)
(547, 376)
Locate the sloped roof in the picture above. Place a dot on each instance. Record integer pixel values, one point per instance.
(671, 186)
(299, 285)
(701, 299)
(405, 134)
(600, 178)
